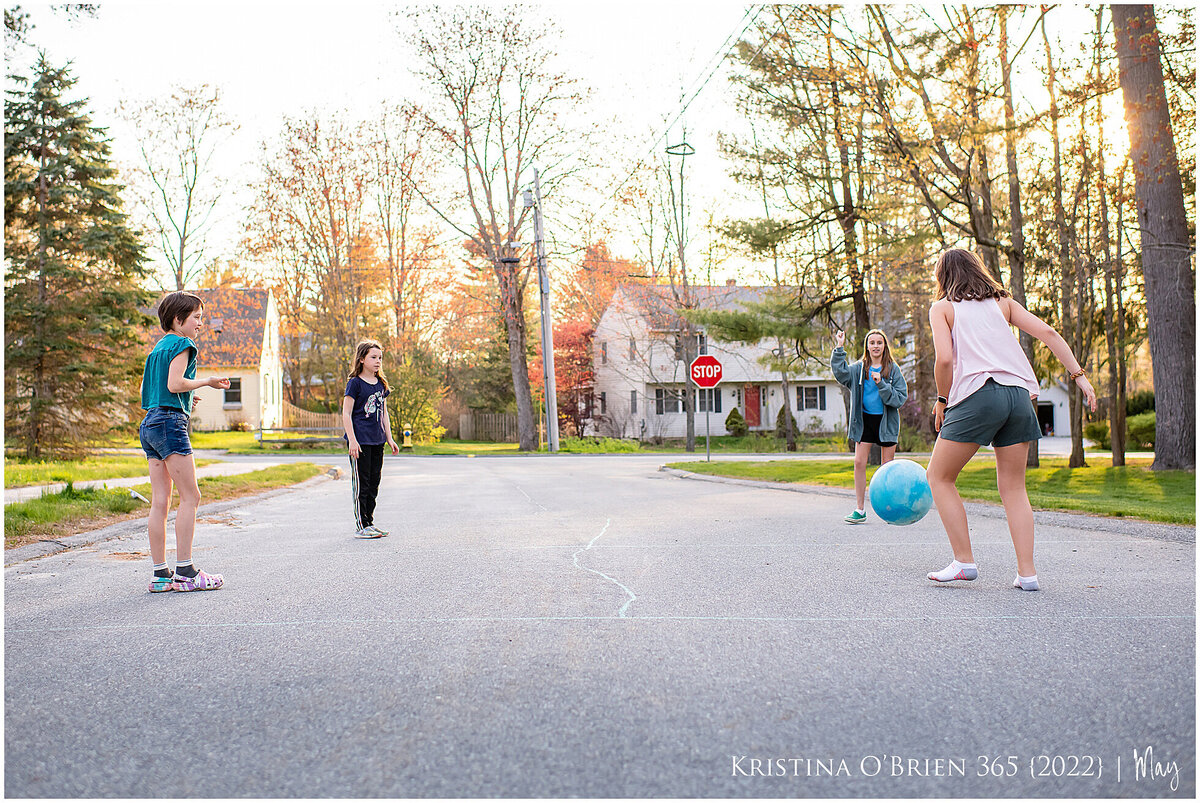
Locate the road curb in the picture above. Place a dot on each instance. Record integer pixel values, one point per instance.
(133, 526)
(1138, 528)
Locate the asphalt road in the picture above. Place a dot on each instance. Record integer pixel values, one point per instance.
(590, 626)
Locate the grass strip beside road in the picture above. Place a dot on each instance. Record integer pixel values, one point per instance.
(1126, 491)
(76, 510)
(19, 473)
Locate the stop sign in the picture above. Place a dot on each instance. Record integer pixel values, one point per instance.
(706, 371)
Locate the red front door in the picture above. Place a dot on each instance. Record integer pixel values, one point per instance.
(753, 411)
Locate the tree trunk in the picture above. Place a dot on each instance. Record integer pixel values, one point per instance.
(789, 431)
(983, 219)
(1161, 217)
(514, 320)
(1016, 253)
(1117, 415)
(1110, 332)
(1068, 323)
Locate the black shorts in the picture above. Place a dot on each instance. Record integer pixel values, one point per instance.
(870, 434)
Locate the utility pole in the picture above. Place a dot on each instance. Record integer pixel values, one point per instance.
(534, 199)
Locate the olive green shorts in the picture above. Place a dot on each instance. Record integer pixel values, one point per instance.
(994, 415)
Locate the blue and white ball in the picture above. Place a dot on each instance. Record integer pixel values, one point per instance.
(899, 492)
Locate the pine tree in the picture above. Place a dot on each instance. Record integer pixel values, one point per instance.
(73, 269)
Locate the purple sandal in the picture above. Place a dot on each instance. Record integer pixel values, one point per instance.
(201, 582)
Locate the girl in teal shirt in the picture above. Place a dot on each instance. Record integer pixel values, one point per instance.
(168, 382)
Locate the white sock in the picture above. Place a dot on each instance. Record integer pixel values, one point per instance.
(955, 571)
(860, 511)
(1026, 583)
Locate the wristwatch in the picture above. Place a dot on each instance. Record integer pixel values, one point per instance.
(943, 400)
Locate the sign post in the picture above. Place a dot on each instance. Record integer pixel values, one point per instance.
(705, 371)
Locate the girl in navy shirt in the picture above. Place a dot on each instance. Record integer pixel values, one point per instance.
(365, 418)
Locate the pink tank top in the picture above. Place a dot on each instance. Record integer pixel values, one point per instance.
(984, 348)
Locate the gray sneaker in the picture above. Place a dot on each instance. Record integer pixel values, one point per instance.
(368, 532)
(377, 530)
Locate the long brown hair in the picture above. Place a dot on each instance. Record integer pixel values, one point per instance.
(961, 276)
(885, 358)
(360, 354)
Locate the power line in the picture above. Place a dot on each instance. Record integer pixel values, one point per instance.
(719, 56)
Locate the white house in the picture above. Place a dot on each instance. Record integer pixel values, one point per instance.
(1053, 408)
(240, 340)
(639, 381)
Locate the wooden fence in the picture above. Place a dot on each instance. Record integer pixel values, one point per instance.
(491, 427)
(298, 418)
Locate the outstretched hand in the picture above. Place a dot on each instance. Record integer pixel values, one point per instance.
(1089, 392)
(839, 337)
(219, 382)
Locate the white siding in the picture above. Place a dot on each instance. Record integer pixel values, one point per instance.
(654, 366)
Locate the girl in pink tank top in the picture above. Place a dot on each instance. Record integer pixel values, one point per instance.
(985, 389)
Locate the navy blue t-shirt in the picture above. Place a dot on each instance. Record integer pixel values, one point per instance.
(367, 416)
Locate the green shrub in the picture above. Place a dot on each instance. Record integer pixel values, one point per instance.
(1138, 403)
(1140, 430)
(913, 440)
(736, 425)
(1097, 432)
(781, 426)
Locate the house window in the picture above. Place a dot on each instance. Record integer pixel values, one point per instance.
(603, 403)
(704, 346)
(233, 394)
(665, 401)
(604, 352)
(810, 398)
(710, 400)
(633, 402)
(632, 348)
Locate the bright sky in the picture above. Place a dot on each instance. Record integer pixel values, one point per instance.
(273, 59)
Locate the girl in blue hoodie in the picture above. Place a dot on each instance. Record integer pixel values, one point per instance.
(877, 392)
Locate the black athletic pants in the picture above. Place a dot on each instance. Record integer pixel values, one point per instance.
(365, 471)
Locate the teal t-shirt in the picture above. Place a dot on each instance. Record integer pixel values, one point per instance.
(158, 366)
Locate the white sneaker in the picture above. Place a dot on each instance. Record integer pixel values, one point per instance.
(375, 529)
(368, 532)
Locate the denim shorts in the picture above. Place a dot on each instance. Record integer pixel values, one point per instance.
(999, 415)
(164, 432)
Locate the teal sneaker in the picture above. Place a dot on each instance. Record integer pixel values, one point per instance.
(856, 518)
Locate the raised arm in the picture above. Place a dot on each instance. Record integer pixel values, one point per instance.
(1027, 322)
(837, 361)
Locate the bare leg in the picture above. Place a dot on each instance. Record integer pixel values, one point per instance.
(182, 469)
(861, 452)
(947, 462)
(886, 454)
(1010, 479)
(160, 505)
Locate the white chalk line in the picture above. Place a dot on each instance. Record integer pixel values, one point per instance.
(618, 618)
(575, 560)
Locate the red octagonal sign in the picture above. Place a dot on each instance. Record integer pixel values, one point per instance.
(706, 371)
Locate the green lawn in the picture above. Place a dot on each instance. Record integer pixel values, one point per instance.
(77, 510)
(19, 472)
(1133, 490)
